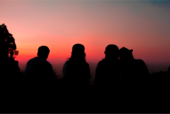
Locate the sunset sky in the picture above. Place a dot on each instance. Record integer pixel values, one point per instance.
(143, 26)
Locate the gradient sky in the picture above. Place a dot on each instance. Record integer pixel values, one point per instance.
(141, 26)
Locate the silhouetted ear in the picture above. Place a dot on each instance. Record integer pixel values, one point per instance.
(104, 52)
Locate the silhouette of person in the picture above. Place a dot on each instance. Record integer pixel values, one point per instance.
(134, 75)
(107, 71)
(76, 71)
(38, 77)
(134, 78)
(107, 78)
(76, 75)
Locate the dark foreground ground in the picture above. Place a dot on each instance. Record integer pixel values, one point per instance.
(152, 98)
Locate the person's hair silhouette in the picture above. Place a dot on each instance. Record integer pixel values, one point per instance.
(111, 52)
(126, 54)
(43, 52)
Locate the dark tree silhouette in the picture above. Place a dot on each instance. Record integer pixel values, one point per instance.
(11, 76)
(9, 65)
(7, 43)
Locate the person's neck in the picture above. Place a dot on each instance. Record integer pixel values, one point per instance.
(41, 58)
(111, 58)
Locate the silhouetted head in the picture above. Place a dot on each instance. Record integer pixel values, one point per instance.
(78, 51)
(111, 51)
(43, 52)
(125, 54)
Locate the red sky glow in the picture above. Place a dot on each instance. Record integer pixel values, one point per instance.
(141, 26)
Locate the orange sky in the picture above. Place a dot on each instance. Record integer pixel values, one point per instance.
(141, 26)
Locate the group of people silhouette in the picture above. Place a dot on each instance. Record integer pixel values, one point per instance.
(118, 67)
(122, 83)
(118, 71)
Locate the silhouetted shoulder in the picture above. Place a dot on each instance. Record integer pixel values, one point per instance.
(101, 62)
(88, 70)
(140, 62)
(108, 63)
(66, 63)
(99, 65)
(65, 68)
(33, 60)
(48, 64)
(142, 67)
(38, 66)
(38, 61)
(87, 65)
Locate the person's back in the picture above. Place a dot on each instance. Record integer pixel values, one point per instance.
(107, 73)
(38, 76)
(135, 70)
(76, 73)
(141, 70)
(37, 71)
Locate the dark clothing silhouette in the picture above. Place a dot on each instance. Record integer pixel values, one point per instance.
(76, 77)
(38, 77)
(134, 72)
(134, 77)
(107, 82)
(76, 73)
(107, 73)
